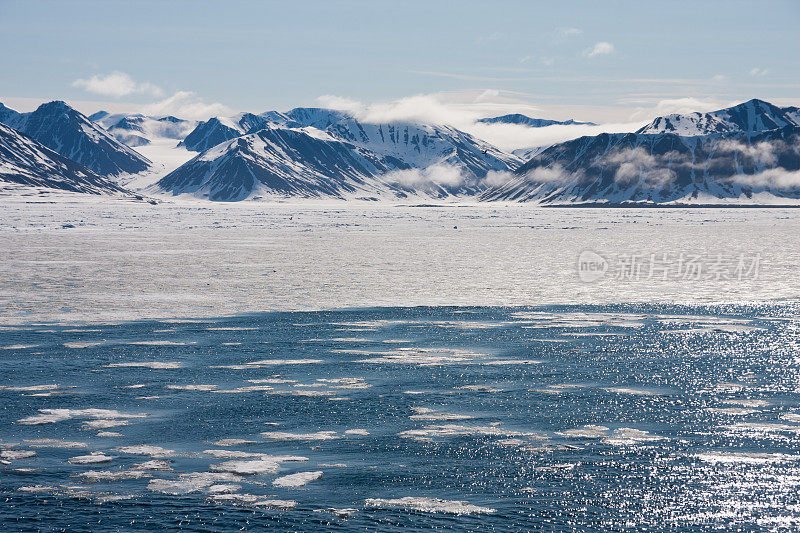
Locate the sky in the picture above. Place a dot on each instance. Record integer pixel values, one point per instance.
(611, 62)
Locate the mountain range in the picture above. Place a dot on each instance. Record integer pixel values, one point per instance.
(27, 162)
(749, 152)
(524, 120)
(74, 136)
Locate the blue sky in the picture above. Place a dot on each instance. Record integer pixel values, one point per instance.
(601, 61)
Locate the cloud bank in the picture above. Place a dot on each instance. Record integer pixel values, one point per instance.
(116, 84)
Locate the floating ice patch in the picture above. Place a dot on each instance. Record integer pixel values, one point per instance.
(340, 513)
(78, 345)
(230, 328)
(233, 442)
(626, 390)
(360, 432)
(96, 476)
(791, 417)
(191, 482)
(158, 365)
(193, 387)
(297, 480)
(231, 454)
(254, 467)
(428, 505)
(585, 432)
(54, 443)
(745, 457)
(14, 455)
(424, 413)
(159, 343)
(629, 437)
(92, 458)
(51, 416)
(105, 424)
(479, 388)
(30, 388)
(457, 430)
(223, 488)
(160, 465)
(19, 347)
(157, 452)
(301, 392)
(284, 436)
(423, 356)
(273, 381)
(264, 363)
(109, 434)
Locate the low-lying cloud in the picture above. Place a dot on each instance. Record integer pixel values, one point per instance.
(116, 84)
(443, 175)
(186, 104)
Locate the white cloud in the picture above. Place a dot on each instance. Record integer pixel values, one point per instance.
(186, 104)
(680, 106)
(116, 84)
(462, 110)
(763, 152)
(636, 164)
(443, 174)
(554, 174)
(776, 178)
(599, 49)
(569, 31)
(495, 178)
(759, 72)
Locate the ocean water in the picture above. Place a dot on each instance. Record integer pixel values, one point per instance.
(604, 418)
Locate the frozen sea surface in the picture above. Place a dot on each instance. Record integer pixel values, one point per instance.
(581, 417)
(67, 258)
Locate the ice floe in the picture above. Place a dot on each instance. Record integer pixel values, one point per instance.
(297, 480)
(157, 365)
(428, 505)
(285, 436)
(92, 458)
(156, 452)
(14, 455)
(51, 416)
(54, 443)
(715, 457)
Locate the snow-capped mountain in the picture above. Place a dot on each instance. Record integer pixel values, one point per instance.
(283, 162)
(142, 130)
(27, 162)
(524, 120)
(71, 134)
(404, 158)
(619, 168)
(752, 116)
(417, 145)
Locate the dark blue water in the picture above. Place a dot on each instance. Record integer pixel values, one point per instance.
(613, 418)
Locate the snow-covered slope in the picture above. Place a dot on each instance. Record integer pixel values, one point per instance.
(525, 120)
(759, 167)
(752, 116)
(417, 145)
(141, 130)
(71, 134)
(282, 162)
(27, 162)
(413, 159)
